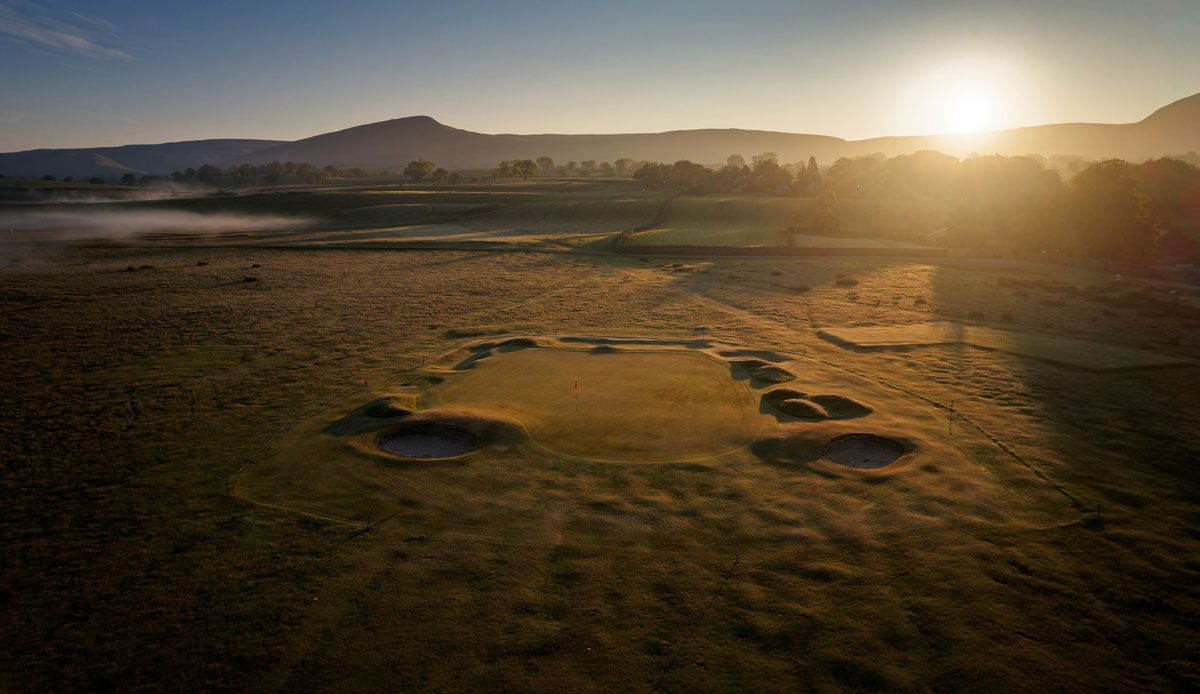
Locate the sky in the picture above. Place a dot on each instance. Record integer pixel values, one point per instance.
(88, 74)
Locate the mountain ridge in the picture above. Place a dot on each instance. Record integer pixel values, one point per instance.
(1170, 130)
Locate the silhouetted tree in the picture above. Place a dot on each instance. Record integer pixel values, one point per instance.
(607, 169)
(418, 169)
(455, 177)
(129, 179)
(623, 164)
(827, 214)
(503, 169)
(208, 174)
(572, 167)
(736, 161)
(49, 177)
(241, 174)
(814, 174)
(1110, 214)
(546, 164)
(760, 158)
(524, 168)
(440, 175)
(1002, 201)
(588, 166)
(853, 178)
(768, 176)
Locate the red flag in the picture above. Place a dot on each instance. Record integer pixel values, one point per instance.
(576, 385)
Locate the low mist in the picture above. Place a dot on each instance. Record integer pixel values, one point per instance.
(116, 224)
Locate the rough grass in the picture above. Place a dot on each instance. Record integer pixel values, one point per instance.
(1095, 356)
(1070, 563)
(745, 221)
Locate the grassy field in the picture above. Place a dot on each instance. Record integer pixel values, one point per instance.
(158, 533)
(761, 221)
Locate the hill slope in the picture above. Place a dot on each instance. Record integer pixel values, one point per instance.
(1173, 129)
(112, 162)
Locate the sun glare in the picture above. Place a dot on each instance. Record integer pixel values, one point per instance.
(970, 114)
(962, 96)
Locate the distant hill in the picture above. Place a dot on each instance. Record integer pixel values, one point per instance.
(111, 163)
(1173, 129)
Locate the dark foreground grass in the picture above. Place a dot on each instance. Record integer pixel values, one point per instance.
(131, 398)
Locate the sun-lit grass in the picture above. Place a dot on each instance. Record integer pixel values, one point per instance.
(746, 221)
(1047, 526)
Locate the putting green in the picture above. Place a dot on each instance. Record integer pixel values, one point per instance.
(632, 406)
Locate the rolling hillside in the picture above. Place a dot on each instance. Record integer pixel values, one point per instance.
(1173, 129)
(111, 163)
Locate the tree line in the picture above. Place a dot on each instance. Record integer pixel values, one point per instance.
(524, 168)
(1110, 209)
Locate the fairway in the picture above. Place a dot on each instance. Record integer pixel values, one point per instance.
(633, 406)
(1093, 356)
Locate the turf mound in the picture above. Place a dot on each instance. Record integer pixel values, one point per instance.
(802, 409)
(840, 407)
(604, 349)
(763, 354)
(374, 414)
(765, 372)
(863, 451)
(516, 343)
(427, 441)
(792, 402)
(386, 408)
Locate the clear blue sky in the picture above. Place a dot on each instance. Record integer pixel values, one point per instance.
(92, 74)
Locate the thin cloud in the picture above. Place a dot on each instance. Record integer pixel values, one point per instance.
(58, 35)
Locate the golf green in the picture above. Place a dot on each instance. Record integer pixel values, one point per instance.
(629, 406)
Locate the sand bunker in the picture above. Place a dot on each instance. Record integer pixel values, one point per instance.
(428, 441)
(862, 451)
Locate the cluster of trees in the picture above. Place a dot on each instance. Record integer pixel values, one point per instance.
(269, 174)
(524, 168)
(764, 174)
(1110, 209)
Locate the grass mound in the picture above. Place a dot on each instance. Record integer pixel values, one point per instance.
(516, 343)
(765, 372)
(388, 407)
(378, 412)
(800, 408)
(792, 402)
(841, 407)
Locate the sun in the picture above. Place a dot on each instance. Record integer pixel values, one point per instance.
(970, 113)
(963, 95)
